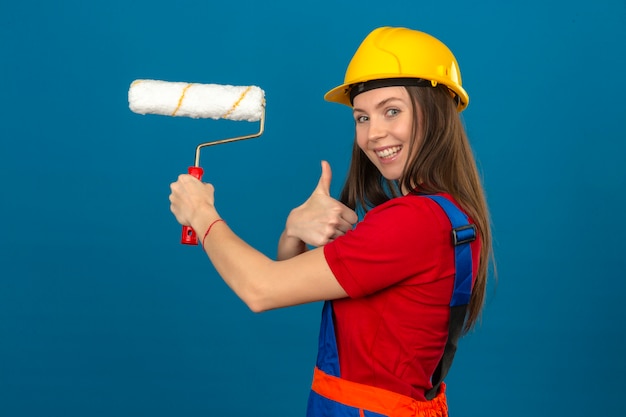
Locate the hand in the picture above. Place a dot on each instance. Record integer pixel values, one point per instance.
(189, 198)
(321, 218)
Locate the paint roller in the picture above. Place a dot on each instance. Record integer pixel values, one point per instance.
(215, 101)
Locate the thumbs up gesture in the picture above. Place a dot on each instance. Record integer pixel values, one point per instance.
(321, 218)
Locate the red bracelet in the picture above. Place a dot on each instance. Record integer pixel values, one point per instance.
(209, 229)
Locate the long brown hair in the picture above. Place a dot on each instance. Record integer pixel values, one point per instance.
(442, 161)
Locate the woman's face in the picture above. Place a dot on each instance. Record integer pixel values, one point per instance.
(384, 121)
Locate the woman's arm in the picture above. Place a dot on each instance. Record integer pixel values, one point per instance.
(262, 283)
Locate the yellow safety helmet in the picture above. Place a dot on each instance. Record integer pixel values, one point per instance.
(399, 56)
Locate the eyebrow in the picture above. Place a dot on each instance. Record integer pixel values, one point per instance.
(381, 104)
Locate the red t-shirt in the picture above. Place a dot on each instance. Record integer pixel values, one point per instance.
(397, 267)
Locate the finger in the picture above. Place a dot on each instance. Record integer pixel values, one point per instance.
(349, 215)
(343, 225)
(338, 233)
(323, 186)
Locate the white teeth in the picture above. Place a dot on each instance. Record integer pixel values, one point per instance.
(389, 152)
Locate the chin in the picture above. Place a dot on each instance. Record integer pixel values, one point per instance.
(391, 176)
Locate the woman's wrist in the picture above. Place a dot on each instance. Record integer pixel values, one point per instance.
(290, 246)
(208, 230)
(203, 217)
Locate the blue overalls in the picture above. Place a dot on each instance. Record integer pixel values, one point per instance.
(332, 396)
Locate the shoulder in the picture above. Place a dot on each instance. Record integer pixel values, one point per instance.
(401, 225)
(411, 210)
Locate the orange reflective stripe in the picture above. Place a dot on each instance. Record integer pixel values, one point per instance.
(378, 400)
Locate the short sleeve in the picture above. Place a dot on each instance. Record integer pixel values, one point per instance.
(403, 239)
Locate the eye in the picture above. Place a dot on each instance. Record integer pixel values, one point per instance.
(361, 118)
(393, 112)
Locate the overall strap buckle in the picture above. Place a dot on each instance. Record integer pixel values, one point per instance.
(463, 234)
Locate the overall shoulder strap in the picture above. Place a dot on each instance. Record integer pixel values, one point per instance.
(463, 233)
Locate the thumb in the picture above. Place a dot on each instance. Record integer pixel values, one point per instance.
(323, 186)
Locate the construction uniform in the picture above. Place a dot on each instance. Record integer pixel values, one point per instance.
(332, 395)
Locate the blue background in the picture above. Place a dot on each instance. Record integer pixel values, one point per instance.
(103, 312)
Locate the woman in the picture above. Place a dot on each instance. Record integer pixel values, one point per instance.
(398, 290)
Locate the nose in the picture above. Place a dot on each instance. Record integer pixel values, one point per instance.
(376, 129)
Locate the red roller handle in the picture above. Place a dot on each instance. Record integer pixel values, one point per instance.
(189, 236)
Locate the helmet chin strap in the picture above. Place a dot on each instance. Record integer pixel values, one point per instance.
(358, 88)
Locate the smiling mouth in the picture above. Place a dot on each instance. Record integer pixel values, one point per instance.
(388, 153)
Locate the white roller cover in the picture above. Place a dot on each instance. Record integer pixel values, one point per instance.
(183, 99)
